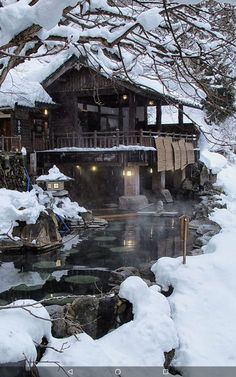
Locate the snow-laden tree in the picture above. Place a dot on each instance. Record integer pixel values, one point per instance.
(192, 44)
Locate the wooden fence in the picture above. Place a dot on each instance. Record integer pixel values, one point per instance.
(109, 139)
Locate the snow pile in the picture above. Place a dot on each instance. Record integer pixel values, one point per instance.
(27, 206)
(54, 174)
(21, 206)
(62, 206)
(226, 179)
(203, 301)
(22, 329)
(141, 342)
(213, 161)
(67, 209)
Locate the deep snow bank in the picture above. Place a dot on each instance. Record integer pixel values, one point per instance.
(141, 342)
(22, 329)
(203, 303)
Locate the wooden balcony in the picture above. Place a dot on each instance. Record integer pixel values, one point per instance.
(10, 144)
(109, 139)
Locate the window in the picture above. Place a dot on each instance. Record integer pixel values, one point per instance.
(151, 115)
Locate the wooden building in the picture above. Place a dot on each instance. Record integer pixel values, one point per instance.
(113, 129)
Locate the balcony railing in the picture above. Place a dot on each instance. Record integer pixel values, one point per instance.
(109, 139)
(10, 144)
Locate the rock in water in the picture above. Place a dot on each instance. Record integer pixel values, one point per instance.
(7, 244)
(42, 235)
(122, 273)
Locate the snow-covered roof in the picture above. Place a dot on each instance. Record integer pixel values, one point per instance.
(24, 84)
(54, 174)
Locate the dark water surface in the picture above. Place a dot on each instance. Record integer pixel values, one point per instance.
(82, 265)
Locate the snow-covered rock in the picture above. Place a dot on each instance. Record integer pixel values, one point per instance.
(213, 161)
(23, 324)
(21, 206)
(141, 342)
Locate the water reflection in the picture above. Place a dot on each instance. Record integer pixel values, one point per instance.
(82, 265)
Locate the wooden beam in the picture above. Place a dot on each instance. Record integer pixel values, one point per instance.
(120, 124)
(181, 115)
(65, 67)
(132, 110)
(75, 111)
(158, 116)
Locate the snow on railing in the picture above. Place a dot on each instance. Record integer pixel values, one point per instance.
(109, 139)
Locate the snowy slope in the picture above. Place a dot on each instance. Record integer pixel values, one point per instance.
(203, 303)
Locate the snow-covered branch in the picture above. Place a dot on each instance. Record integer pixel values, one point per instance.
(191, 44)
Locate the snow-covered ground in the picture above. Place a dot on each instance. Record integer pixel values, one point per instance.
(197, 319)
(23, 324)
(203, 303)
(141, 342)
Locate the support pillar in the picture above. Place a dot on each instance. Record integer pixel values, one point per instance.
(131, 181)
(179, 177)
(158, 116)
(132, 111)
(181, 115)
(132, 200)
(158, 181)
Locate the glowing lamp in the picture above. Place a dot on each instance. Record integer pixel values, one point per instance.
(94, 168)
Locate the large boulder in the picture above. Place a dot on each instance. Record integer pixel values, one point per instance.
(133, 202)
(120, 274)
(42, 235)
(93, 314)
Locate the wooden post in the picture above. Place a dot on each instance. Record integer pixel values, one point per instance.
(141, 137)
(33, 141)
(75, 111)
(158, 116)
(73, 139)
(19, 142)
(181, 115)
(132, 111)
(3, 143)
(120, 119)
(145, 115)
(184, 224)
(52, 140)
(95, 138)
(117, 137)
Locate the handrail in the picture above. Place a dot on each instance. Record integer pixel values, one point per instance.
(108, 139)
(10, 143)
